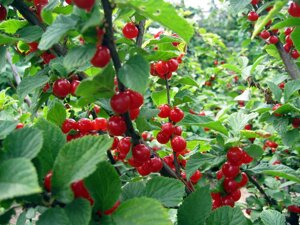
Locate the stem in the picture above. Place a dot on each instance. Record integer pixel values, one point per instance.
(261, 190)
(141, 27)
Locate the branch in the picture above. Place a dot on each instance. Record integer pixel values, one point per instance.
(141, 28)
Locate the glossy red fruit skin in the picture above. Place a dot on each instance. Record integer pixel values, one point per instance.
(271, 144)
(156, 165)
(288, 30)
(235, 156)
(248, 127)
(130, 31)
(289, 40)
(61, 88)
(120, 102)
(167, 129)
(74, 85)
(295, 54)
(176, 114)
(19, 126)
(134, 113)
(294, 209)
(265, 34)
(47, 181)
(141, 153)
(296, 123)
(230, 185)
(177, 130)
(101, 57)
(255, 2)
(124, 145)
(173, 65)
(244, 180)
(3, 12)
(219, 175)
(287, 48)
(164, 111)
(85, 125)
(97, 109)
(252, 16)
(143, 171)
(69, 124)
(294, 10)
(178, 144)
(69, 2)
(84, 4)
(100, 124)
(80, 191)
(273, 39)
(228, 200)
(230, 170)
(236, 195)
(116, 126)
(162, 138)
(247, 158)
(196, 177)
(162, 68)
(47, 57)
(281, 85)
(33, 46)
(136, 99)
(112, 209)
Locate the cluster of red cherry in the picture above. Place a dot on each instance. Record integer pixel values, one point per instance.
(232, 178)
(289, 44)
(294, 121)
(164, 69)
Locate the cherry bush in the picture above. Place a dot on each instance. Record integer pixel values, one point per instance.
(143, 112)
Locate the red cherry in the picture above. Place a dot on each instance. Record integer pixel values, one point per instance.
(273, 39)
(287, 48)
(176, 114)
(178, 144)
(169, 160)
(3, 12)
(248, 127)
(252, 16)
(164, 111)
(80, 191)
(162, 68)
(69, 2)
(130, 31)
(294, 9)
(85, 125)
(255, 2)
(85, 4)
(230, 185)
(97, 109)
(69, 124)
(289, 40)
(236, 195)
(288, 30)
(141, 153)
(275, 107)
(153, 69)
(271, 144)
(136, 99)
(112, 209)
(173, 65)
(19, 126)
(247, 158)
(115, 143)
(46, 87)
(61, 88)
(134, 163)
(47, 57)
(156, 164)
(116, 126)
(248, 211)
(74, 85)
(143, 171)
(219, 175)
(228, 200)
(47, 181)
(33, 46)
(167, 129)
(281, 85)
(295, 54)
(235, 156)
(120, 102)
(124, 145)
(294, 209)
(244, 180)
(177, 130)
(196, 177)
(230, 170)
(162, 138)
(101, 57)
(296, 122)
(100, 124)
(265, 34)
(134, 113)
(216, 62)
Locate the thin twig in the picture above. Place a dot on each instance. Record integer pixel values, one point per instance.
(141, 27)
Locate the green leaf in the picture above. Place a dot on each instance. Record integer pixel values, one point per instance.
(57, 113)
(17, 178)
(195, 208)
(295, 37)
(238, 5)
(30, 84)
(237, 121)
(78, 57)
(188, 81)
(133, 190)
(291, 137)
(255, 134)
(165, 14)
(2, 58)
(30, 33)
(7, 40)
(6, 127)
(161, 55)
(289, 22)
(255, 151)
(12, 25)
(134, 73)
(57, 30)
(290, 88)
(25, 142)
(168, 191)
(276, 91)
(104, 186)
(227, 216)
(50, 149)
(141, 211)
(163, 39)
(77, 160)
(277, 170)
(272, 51)
(272, 217)
(77, 213)
(94, 18)
(286, 108)
(160, 97)
(100, 86)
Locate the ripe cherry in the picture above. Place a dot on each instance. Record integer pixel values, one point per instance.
(69, 124)
(294, 9)
(288, 30)
(33, 46)
(273, 39)
(84, 4)
(3, 12)
(47, 181)
(296, 122)
(287, 48)
(167, 129)
(141, 153)
(177, 130)
(80, 191)
(162, 68)
(219, 175)
(101, 57)
(100, 124)
(228, 200)
(74, 85)
(47, 57)
(252, 16)
(230, 185)
(69, 2)
(120, 102)
(136, 99)
(162, 137)
(295, 54)
(275, 107)
(230, 170)
(289, 40)
(271, 144)
(178, 144)
(134, 113)
(164, 111)
(265, 34)
(173, 65)
(85, 125)
(19, 126)
(176, 114)
(143, 171)
(196, 177)
(247, 158)
(124, 145)
(235, 156)
(116, 126)
(294, 209)
(156, 164)
(281, 85)
(244, 180)
(248, 127)
(130, 31)
(236, 195)
(61, 88)
(255, 2)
